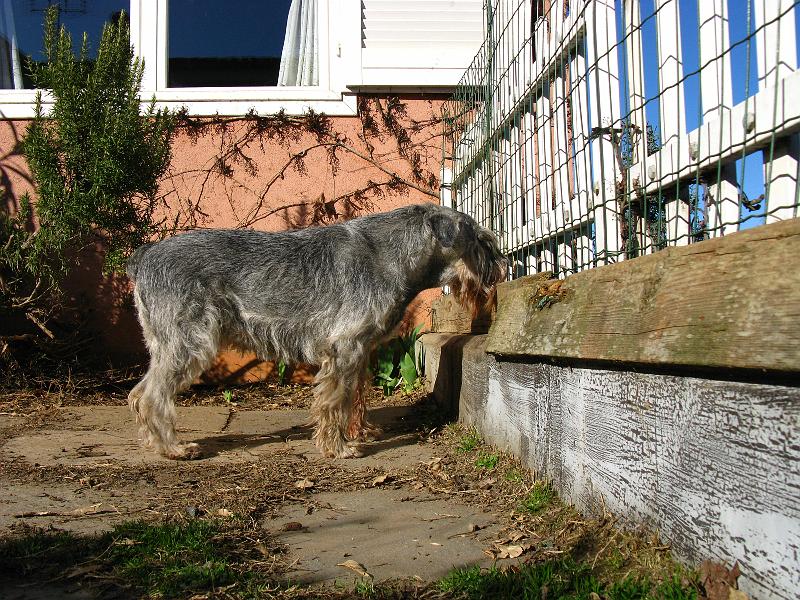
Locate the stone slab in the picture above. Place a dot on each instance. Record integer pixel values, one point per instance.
(91, 435)
(388, 531)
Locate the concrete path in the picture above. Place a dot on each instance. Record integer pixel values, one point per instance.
(392, 531)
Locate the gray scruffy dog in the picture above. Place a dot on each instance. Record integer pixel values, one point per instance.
(324, 295)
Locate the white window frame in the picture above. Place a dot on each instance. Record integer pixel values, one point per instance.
(340, 62)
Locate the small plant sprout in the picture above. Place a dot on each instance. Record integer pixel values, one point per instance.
(487, 461)
(539, 497)
(281, 369)
(227, 396)
(469, 441)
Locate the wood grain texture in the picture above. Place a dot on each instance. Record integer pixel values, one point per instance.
(713, 466)
(448, 316)
(731, 302)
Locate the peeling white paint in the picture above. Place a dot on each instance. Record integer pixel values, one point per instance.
(713, 465)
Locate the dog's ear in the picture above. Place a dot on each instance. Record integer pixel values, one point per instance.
(445, 229)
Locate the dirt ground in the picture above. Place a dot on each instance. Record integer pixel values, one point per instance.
(69, 460)
(426, 498)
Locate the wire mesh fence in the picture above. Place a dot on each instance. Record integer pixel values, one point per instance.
(586, 132)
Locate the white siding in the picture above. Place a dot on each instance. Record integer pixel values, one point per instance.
(418, 42)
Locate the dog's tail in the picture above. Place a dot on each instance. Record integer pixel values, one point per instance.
(132, 266)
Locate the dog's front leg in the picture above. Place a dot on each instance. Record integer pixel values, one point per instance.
(332, 408)
(360, 429)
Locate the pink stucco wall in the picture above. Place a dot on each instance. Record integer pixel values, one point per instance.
(194, 194)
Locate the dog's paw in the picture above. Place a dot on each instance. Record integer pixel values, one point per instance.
(370, 433)
(350, 451)
(184, 451)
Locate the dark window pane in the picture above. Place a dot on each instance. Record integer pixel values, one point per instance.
(21, 27)
(215, 43)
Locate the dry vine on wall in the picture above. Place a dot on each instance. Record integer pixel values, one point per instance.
(385, 152)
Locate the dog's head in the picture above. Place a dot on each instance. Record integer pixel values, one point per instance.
(475, 263)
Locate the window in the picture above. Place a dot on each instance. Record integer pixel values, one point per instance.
(209, 56)
(21, 32)
(217, 57)
(243, 43)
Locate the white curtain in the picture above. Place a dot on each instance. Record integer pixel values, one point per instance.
(10, 67)
(300, 56)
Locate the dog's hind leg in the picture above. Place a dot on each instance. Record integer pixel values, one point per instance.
(359, 428)
(172, 369)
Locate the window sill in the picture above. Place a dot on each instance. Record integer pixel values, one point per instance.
(19, 104)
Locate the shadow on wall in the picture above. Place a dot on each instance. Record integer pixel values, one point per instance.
(15, 180)
(447, 387)
(387, 156)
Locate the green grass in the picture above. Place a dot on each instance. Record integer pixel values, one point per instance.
(564, 579)
(365, 589)
(514, 475)
(171, 558)
(539, 498)
(487, 461)
(38, 549)
(469, 441)
(164, 560)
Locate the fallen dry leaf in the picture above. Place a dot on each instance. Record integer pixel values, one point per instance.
(510, 551)
(380, 479)
(304, 484)
(224, 512)
(434, 464)
(126, 542)
(355, 567)
(82, 570)
(719, 582)
(292, 526)
(87, 510)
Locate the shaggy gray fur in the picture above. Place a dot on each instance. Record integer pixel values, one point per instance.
(323, 295)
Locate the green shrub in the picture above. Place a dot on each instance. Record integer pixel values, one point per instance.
(95, 159)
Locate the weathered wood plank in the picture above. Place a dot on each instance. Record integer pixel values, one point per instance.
(448, 316)
(713, 466)
(731, 302)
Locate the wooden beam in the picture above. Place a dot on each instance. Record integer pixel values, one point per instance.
(448, 316)
(731, 302)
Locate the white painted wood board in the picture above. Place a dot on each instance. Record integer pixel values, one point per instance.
(712, 465)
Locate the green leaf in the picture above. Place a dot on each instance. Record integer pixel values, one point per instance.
(389, 386)
(408, 371)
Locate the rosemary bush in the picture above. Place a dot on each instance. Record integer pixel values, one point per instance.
(95, 159)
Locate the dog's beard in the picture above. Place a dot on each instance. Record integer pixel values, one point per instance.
(474, 286)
